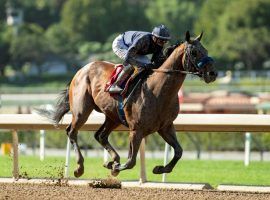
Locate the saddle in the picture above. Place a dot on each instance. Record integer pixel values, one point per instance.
(128, 85)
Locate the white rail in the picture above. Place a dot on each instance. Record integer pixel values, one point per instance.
(184, 122)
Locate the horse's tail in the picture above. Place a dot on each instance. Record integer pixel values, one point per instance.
(59, 110)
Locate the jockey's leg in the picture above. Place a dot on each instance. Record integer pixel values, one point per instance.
(124, 74)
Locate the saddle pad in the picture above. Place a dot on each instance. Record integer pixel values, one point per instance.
(117, 69)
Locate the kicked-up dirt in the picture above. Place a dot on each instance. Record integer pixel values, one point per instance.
(45, 191)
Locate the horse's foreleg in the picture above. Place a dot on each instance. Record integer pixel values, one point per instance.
(135, 141)
(102, 137)
(168, 134)
(72, 134)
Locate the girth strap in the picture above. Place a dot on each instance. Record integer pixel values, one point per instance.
(120, 111)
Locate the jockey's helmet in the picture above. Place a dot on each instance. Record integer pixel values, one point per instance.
(161, 32)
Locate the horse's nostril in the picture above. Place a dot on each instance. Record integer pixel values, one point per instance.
(213, 73)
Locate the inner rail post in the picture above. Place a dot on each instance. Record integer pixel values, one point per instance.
(15, 143)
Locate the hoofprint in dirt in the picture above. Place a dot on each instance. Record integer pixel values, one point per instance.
(45, 191)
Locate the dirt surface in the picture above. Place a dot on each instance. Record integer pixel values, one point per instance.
(28, 191)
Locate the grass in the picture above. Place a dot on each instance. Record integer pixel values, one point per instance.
(196, 171)
(46, 83)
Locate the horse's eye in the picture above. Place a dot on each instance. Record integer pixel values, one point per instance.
(194, 53)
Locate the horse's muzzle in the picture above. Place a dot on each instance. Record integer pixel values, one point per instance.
(210, 76)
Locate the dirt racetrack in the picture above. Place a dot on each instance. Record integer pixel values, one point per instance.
(33, 191)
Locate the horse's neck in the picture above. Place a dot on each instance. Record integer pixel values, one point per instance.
(174, 61)
(169, 84)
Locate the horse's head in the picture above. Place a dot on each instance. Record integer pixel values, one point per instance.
(196, 59)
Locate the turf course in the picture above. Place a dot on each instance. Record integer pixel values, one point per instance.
(195, 171)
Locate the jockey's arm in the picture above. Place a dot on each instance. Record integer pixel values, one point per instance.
(133, 52)
(168, 51)
(158, 58)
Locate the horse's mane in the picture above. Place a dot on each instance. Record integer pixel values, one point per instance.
(168, 51)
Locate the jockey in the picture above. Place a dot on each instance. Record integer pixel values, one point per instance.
(133, 46)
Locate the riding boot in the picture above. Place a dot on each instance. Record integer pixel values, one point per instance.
(124, 74)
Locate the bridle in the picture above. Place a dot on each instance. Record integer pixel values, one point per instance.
(189, 58)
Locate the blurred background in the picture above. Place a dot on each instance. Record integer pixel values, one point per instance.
(43, 43)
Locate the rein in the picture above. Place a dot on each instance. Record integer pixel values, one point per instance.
(175, 71)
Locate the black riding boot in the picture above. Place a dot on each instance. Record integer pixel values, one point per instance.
(124, 74)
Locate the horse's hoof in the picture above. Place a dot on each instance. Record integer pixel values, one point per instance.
(115, 169)
(108, 165)
(161, 170)
(115, 173)
(158, 170)
(78, 172)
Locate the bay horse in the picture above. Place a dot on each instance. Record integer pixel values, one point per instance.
(152, 108)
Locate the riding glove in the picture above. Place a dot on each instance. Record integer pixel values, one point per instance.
(149, 66)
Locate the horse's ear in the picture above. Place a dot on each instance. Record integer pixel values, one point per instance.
(187, 36)
(199, 37)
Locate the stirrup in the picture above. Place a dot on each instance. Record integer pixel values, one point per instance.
(115, 89)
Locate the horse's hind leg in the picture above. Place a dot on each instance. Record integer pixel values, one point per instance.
(102, 137)
(72, 134)
(81, 108)
(168, 134)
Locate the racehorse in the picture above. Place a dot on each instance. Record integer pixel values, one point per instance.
(152, 108)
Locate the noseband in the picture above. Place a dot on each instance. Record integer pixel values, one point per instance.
(197, 64)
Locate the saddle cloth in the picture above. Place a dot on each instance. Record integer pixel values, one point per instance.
(125, 85)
